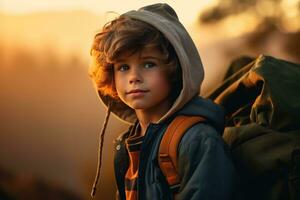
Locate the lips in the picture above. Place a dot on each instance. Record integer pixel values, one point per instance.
(137, 91)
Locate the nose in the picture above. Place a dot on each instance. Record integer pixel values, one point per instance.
(135, 76)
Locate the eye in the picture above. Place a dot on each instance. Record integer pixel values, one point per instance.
(149, 65)
(122, 67)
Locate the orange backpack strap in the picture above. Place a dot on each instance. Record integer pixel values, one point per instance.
(167, 155)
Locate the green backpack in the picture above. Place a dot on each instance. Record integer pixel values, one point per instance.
(262, 108)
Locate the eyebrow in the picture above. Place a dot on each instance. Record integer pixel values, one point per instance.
(150, 57)
(120, 60)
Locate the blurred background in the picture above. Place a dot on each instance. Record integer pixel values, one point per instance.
(50, 113)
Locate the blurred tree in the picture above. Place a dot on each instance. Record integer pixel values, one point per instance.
(284, 14)
(274, 26)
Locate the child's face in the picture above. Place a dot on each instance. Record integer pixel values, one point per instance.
(141, 82)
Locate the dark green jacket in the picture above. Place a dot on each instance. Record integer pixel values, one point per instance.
(205, 168)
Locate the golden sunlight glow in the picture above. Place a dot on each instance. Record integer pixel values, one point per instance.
(187, 10)
(237, 25)
(291, 13)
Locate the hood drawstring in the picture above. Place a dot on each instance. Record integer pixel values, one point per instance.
(101, 141)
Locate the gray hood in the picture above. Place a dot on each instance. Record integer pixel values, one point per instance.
(164, 18)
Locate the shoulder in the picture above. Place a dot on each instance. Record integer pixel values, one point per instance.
(199, 137)
(201, 131)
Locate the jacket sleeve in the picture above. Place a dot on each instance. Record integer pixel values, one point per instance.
(205, 167)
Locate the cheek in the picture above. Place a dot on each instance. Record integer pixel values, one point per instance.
(161, 82)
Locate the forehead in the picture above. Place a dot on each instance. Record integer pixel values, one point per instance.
(146, 52)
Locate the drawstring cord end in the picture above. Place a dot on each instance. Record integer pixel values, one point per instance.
(93, 191)
(100, 148)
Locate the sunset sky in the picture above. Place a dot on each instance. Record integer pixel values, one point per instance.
(51, 114)
(189, 9)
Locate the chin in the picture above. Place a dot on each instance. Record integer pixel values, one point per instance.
(138, 107)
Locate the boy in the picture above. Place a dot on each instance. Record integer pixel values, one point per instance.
(147, 71)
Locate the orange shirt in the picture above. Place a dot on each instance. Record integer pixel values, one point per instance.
(133, 145)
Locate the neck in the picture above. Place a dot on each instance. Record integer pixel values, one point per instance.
(145, 117)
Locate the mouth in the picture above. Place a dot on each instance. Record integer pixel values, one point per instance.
(137, 91)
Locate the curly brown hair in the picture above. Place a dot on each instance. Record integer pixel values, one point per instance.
(127, 35)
